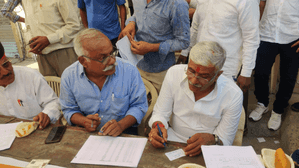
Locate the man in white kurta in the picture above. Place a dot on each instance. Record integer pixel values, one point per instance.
(25, 94)
(200, 112)
(234, 24)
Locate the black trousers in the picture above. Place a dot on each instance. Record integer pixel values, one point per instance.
(289, 61)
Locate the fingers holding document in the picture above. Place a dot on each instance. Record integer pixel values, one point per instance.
(43, 120)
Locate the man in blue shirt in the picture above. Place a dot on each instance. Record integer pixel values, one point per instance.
(101, 91)
(103, 15)
(161, 27)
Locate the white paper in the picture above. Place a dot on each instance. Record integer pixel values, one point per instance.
(230, 156)
(124, 47)
(19, 163)
(261, 140)
(38, 163)
(7, 132)
(107, 150)
(276, 142)
(171, 136)
(175, 154)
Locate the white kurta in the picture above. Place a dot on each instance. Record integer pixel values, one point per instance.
(29, 95)
(217, 113)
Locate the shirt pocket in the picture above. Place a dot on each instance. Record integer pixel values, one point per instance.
(223, 22)
(158, 23)
(27, 107)
(209, 121)
(119, 105)
(47, 13)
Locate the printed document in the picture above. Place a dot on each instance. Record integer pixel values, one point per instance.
(230, 156)
(7, 132)
(124, 47)
(114, 151)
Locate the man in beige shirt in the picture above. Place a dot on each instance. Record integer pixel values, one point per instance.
(53, 25)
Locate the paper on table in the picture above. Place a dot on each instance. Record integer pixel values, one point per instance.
(175, 154)
(19, 163)
(7, 132)
(230, 156)
(171, 136)
(106, 150)
(124, 47)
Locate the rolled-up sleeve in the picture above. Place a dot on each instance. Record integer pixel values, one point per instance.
(68, 102)
(7, 10)
(181, 30)
(164, 105)
(72, 26)
(46, 97)
(138, 99)
(228, 126)
(249, 23)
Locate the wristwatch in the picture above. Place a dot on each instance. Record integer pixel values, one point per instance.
(217, 140)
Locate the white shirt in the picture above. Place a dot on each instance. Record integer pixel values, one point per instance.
(58, 20)
(280, 21)
(234, 25)
(34, 94)
(217, 113)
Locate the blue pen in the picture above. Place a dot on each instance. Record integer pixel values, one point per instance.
(161, 134)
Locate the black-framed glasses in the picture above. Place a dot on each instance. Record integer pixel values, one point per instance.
(106, 59)
(202, 80)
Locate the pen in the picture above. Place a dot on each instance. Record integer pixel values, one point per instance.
(91, 124)
(161, 134)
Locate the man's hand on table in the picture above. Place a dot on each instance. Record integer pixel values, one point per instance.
(129, 31)
(91, 122)
(193, 147)
(155, 139)
(112, 128)
(43, 120)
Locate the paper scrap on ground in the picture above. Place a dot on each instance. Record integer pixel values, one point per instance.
(124, 47)
(230, 156)
(261, 140)
(175, 154)
(38, 163)
(114, 151)
(171, 136)
(276, 142)
(7, 132)
(19, 163)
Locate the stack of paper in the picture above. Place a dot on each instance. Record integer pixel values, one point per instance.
(115, 151)
(124, 47)
(230, 156)
(7, 132)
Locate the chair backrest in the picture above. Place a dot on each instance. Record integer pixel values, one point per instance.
(54, 83)
(239, 134)
(152, 96)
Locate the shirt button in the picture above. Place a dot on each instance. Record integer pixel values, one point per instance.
(101, 101)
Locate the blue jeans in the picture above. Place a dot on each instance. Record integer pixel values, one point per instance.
(289, 61)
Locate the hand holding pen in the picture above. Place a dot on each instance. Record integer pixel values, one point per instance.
(91, 122)
(158, 135)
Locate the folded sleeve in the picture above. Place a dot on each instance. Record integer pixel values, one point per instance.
(7, 10)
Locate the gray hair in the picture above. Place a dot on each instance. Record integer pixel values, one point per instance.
(91, 36)
(208, 53)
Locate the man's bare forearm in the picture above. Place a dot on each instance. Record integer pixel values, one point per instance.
(127, 122)
(84, 17)
(262, 7)
(123, 14)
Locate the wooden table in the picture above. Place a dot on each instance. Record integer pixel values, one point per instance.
(61, 154)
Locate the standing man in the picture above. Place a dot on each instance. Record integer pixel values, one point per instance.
(53, 24)
(161, 28)
(234, 25)
(103, 15)
(279, 33)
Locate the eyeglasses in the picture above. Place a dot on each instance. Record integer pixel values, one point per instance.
(106, 59)
(202, 80)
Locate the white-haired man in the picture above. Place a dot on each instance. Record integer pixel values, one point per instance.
(205, 105)
(101, 91)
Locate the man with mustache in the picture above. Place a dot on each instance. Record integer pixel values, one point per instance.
(24, 93)
(205, 105)
(101, 91)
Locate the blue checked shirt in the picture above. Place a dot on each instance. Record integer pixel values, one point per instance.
(123, 94)
(165, 22)
(7, 10)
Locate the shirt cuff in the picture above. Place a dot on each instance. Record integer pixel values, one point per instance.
(137, 113)
(185, 52)
(68, 117)
(54, 115)
(53, 38)
(157, 118)
(246, 72)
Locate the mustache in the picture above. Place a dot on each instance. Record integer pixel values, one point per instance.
(110, 67)
(7, 75)
(196, 85)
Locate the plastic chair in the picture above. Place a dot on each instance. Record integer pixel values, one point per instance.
(239, 134)
(152, 96)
